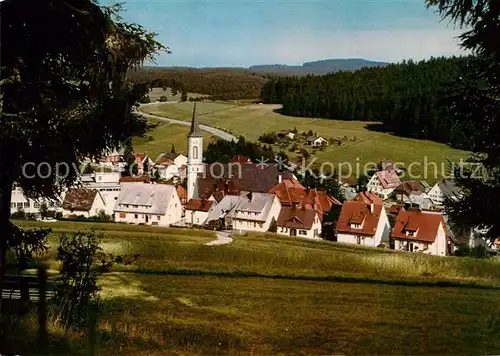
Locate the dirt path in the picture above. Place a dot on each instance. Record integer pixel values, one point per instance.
(223, 238)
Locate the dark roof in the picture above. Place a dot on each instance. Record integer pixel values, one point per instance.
(424, 225)
(199, 204)
(449, 188)
(195, 126)
(138, 179)
(409, 186)
(79, 199)
(250, 177)
(296, 218)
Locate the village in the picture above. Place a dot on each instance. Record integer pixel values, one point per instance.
(244, 196)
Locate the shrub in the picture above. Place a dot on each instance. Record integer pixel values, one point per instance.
(273, 227)
(163, 98)
(268, 138)
(77, 292)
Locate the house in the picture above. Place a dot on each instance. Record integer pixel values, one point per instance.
(286, 133)
(302, 222)
(363, 223)
(368, 198)
(232, 178)
(170, 165)
(113, 158)
(291, 193)
(19, 202)
(197, 211)
(383, 183)
(240, 159)
(221, 213)
(418, 200)
(81, 201)
(443, 189)
(108, 185)
(420, 231)
(247, 212)
(316, 141)
(149, 204)
(143, 161)
(406, 188)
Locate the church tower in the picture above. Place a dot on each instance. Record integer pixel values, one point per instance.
(195, 156)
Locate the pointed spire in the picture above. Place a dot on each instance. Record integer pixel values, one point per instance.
(195, 127)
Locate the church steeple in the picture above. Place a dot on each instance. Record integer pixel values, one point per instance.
(195, 126)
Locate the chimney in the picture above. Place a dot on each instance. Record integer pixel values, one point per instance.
(249, 196)
(371, 207)
(280, 178)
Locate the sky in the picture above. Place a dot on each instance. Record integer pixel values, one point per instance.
(238, 33)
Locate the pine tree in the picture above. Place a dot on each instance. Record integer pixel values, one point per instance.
(475, 101)
(184, 96)
(273, 226)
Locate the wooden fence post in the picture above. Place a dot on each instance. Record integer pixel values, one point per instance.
(42, 309)
(92, 328)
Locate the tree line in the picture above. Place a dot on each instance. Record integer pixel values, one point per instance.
(217, 83)
(409, 98)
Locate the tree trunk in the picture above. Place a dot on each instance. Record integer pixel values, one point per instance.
(5, 200)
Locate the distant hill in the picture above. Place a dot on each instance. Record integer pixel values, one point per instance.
(318, 67)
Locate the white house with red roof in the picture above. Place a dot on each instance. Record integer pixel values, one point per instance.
(197, 210)
(420, 231)
(363, 221)
(300, 222)
(383, 183)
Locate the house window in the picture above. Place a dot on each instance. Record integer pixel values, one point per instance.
(358, 240)
(19, 205)
(123, 215)
(197, 220)
(158, 217)
(27, 205)
(195, 152)
(136, 216)
(12, 205)
(302, 232)
(316, 234)
(355, 226)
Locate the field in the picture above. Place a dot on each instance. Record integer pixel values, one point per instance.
(163, 137)
(156, 93)
(264, 295)
(362, 146)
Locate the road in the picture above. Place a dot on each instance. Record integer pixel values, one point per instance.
(223, 238)
(222, 134)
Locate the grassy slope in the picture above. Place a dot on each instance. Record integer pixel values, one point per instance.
(186, 298)
(163, 137)
(370, 146)
(156, 93)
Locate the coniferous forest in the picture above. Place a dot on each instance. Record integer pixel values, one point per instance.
(409, 98)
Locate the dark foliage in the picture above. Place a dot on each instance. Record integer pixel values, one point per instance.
(222, 151)
(77, 292)
(218, 83)
(408, 98)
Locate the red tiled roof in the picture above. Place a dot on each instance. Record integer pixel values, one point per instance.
(356, 212)
(199, 204)
(181, 193)
(388, 178)
(291, 192)
(368, 198)
(296, 218)
(141, 179)
(79, 199)
(240, 159)
(425, 225)
(395, 209)
(139, 157)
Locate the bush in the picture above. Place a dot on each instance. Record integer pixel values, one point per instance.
(163, 98)
(305, 153)
(77, 292)
(268, 138)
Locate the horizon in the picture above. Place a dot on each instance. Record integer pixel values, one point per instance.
(232, 33)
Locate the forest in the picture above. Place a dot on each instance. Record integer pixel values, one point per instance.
(218, 83)
(408, 98)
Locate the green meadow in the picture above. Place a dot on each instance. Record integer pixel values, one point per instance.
(270, 295)
(363, 144)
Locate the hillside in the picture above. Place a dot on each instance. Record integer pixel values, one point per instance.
(318, 67)
(268, 295)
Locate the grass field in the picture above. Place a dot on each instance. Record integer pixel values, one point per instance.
(369, 146)
(163, 137)
(156, 93)
(264, 295)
